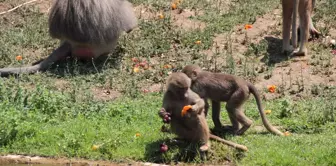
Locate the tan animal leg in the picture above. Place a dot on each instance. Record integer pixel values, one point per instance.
(304, 14)
(287, 12)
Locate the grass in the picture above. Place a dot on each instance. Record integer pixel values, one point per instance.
(67, 110)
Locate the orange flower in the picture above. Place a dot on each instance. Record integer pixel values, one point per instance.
(95, 147)
(268, 112)
(248, 26)
(167, 66)
(271, 88)
(185, 110)
(161, 16)
(198, 42)
(19, 58)
(173, 6)
(137, 134)
(287, 133)
(136, 69)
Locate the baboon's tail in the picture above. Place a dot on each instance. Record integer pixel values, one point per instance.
(266, 123)
(232, 144)
(55, 56)
(5, 72)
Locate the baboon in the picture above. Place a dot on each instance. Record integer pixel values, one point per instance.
(193, 126)
(290, 9)
(220, 87)
(87, 29)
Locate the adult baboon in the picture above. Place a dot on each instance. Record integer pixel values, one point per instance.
(86, 28)
(290, 9)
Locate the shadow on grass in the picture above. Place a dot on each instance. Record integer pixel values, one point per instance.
(72, 66)
(274, 51)
(177, 152)
(182, 152)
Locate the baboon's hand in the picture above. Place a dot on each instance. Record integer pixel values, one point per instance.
(164, 115)
(162, 112)
(197, 108)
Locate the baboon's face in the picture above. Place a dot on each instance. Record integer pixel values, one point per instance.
(179, 90)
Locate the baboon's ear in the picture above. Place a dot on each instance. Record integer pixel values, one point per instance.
(193, 74)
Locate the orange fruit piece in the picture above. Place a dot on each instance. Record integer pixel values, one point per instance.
(268, 112)
(272, 88)
(18, 58)
(198, 42)
(167, 66)
(136, 69)
(287, 133)
(95, 147)
(248, 26)
(185, 110)
(173, 6)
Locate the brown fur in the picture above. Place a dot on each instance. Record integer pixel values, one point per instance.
(193, 126)
(233, 90)
(290, 10)
(90, 25)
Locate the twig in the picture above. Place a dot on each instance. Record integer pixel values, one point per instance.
(18, 7)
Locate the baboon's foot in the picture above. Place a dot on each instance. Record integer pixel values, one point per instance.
(315, 34)
(287, 50)
(205, 147)
(243, 129)
(226, 128)
(302, 52)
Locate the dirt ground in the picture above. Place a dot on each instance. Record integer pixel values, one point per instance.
(290, 75)
(29, 160)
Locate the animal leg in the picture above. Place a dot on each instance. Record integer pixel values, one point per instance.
(216, 114)
(244, 120)
(287, 11)
(304, 14)
(235, 124)
(206, 107)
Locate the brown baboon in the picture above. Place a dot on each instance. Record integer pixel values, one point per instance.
(233, 90)
(87, 29)
(290, 9)
(193, 126)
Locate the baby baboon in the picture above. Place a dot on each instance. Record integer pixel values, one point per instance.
(191, 127)
(233, 90)
(290, 9)
(87, 29)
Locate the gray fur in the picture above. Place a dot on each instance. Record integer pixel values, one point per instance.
(91, 21)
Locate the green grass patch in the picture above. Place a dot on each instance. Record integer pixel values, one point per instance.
(52, 123)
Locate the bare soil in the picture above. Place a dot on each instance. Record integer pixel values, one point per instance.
(293, 75)
(182, 19)
(20, 159)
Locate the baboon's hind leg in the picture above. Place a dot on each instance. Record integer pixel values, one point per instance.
(287, 12)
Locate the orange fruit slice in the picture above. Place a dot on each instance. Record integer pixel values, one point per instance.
(185, 110)
(173, 6)
(287, 133)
